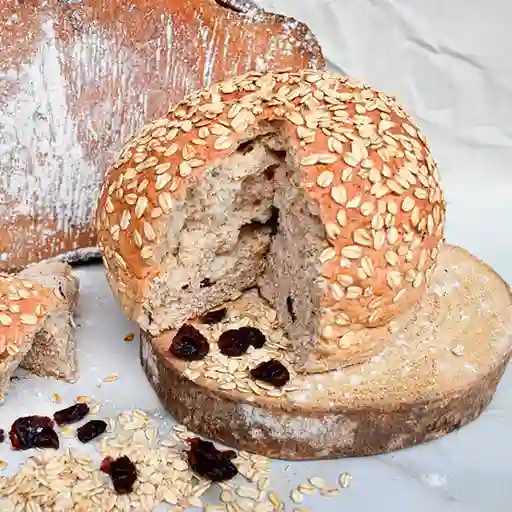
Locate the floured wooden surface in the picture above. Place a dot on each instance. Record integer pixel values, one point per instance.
(439, 371)
(78, 78)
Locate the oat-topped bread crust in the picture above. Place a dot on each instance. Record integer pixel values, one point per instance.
(360, 210)
(24, 306)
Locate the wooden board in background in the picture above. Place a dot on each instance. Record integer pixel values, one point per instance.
(78, 78)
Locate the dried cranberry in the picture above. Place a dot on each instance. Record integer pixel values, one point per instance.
(33, 432)
(214, 317)
(122, 471)
(2, 436)
(254, 336)
(105, 464)
(71, 414)
(272, 372)
(208, 462)
(91, 430)
(206, 283)
(232, 343)
(189, 344)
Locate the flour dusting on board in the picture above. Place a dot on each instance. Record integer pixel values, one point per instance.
(318, 431)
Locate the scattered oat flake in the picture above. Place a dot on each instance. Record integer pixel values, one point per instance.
(111, 378)
(129, 337)
(194, 501)
(458, 350)
(3, 464)
(296, 496)
(345, 480)
(226, 496)
(247, 492)
(82, 399)
(275, 499)
(263, 482)
(307, 489)
(164, 475)
(67, 431)
(318, 482)
(329, 491)
(57, 398)
(95, 407)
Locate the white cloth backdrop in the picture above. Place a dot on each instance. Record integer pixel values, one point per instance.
(449, 62)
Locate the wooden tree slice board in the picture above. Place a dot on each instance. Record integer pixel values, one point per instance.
(438, 373)
(78, 78)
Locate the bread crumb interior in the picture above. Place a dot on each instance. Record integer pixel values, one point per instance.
(245, 224)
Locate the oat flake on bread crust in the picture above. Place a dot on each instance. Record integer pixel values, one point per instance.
(186, 216)
(24, 306)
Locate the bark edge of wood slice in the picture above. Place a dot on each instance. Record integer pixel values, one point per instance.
(439, 372)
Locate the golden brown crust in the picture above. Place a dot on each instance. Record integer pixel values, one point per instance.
(101, 56)
(24, 306)
(439, 371)
(363, 163)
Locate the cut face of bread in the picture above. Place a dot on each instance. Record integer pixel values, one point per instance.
(317, 190)
(243, 225)
(53, 351)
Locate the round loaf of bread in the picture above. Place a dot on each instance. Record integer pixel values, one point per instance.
(318, 190)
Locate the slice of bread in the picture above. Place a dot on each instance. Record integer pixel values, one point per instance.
(53, 352)
(25, 309)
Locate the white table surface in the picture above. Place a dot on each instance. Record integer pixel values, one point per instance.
(466, 471)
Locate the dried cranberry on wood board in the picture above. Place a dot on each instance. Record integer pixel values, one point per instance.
(189, 344)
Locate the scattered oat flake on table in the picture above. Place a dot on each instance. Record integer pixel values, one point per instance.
(67, 431)
(296, 496)
(129, 337)
(307, 489)
(329, 491)
(164, 474)
(226, 496)
(95, 407)
(318, 482)
(275, 499)
(263, 483)
(82, 399)
(345, 480)
(3, 465)
(111, 378)
(57, 398)
(247, 492)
